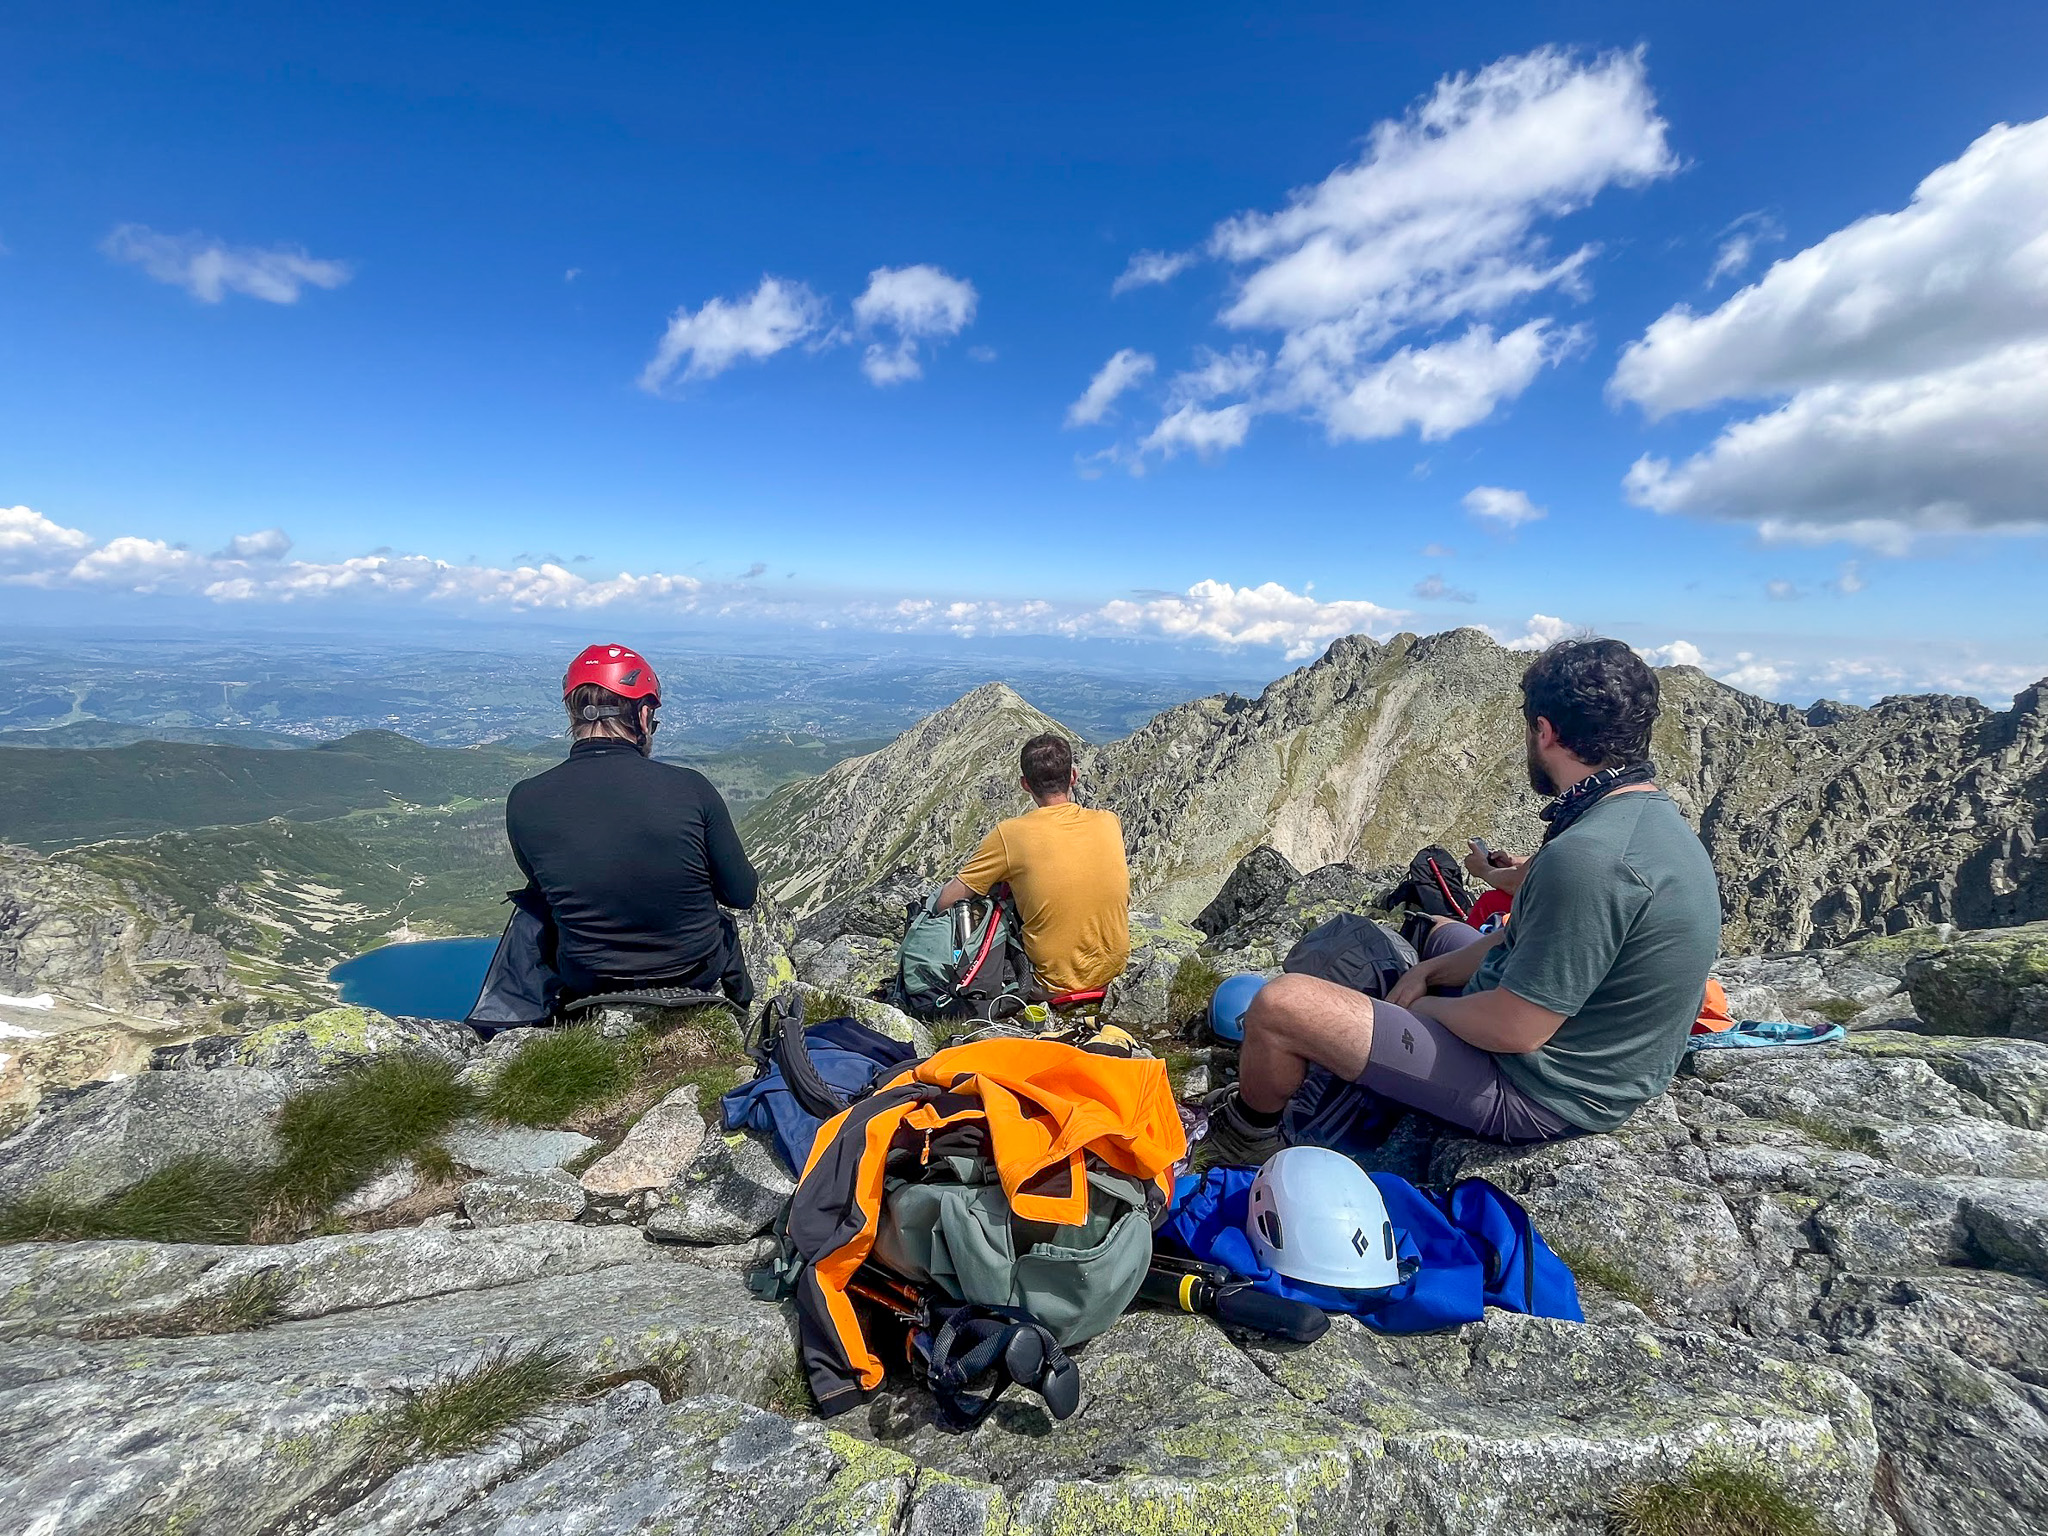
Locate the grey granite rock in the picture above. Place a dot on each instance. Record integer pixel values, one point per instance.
(657, 1148)
(731, 1190)
(102, 1139)
(492, 1148)
(508, 1199)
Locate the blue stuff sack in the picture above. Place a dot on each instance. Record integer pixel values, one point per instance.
(1463, 1251)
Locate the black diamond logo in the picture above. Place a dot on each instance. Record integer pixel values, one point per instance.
(1358, 1242)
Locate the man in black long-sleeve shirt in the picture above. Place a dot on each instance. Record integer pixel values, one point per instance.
(634, 858)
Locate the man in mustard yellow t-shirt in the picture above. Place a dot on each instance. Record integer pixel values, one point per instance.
(1065, 867)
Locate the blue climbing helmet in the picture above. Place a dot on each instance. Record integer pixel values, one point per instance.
(1226, 1008)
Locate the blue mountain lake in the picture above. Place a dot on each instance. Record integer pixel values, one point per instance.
(428, 979)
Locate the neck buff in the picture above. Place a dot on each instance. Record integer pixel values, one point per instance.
(1589, 792)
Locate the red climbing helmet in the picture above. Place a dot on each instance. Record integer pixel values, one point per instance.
(623, 671)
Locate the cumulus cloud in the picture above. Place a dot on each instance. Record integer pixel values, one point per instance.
(1501, 507)
(1149, 267)
(1850, 579)
(1435, 229)
(31, 542)
(1679, 653)
(1835, 669)
(268, 544)
(1269, 614)
(1434, 589)
(776, 315)
(1124, 369)
(1543, 631)
(1909, 352)
(210, 269)
(920, 304)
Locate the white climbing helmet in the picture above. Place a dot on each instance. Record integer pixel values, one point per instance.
(1315, 1216)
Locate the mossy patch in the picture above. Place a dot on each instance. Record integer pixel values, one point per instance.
(1828, 1133)
(1713, 1498)
(1836, 1010)
(1589, 1266)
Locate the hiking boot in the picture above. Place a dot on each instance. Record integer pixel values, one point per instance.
(1231, 1140)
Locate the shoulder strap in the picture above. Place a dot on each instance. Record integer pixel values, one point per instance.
(782, 1041)
(968, 1343)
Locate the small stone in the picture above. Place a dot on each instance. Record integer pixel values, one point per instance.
(401, 1181)
(655, 1151)
(504, 1199)
(732, 1190)
(512, 1148)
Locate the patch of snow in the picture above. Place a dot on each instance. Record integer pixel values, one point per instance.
(39, 1000)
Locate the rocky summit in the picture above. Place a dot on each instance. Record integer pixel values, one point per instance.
(1826, 824)
(316, 1270)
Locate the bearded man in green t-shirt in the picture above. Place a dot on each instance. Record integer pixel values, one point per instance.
(1573, 1014)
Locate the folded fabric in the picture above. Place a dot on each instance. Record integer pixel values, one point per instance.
(848, 1055)
(1761, 1034)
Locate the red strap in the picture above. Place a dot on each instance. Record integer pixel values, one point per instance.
(987, 943)
(1445, 886)
(1086, 995)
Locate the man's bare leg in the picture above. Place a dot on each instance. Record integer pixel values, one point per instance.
(1295, 1021)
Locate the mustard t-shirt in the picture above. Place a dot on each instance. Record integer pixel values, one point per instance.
(1065, 865)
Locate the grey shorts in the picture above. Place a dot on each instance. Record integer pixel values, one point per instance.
(1417, 1062)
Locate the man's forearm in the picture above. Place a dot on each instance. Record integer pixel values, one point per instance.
(1494, 1020)
(952, 893)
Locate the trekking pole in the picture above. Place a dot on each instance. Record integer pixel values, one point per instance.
(1185, 1285)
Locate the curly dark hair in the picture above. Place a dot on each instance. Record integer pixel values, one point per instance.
(1600, 697)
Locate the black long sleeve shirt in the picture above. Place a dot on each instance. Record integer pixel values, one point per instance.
(634, 859)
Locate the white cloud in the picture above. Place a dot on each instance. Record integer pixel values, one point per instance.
(1269, 614)
(1434, 551)
(1739, 244)
(1502, 507)
(1206, 432)
(1779, 590)
(210, 269)
(776, 315)
(268, 544)
(1217, 373)
(1124, 369)
(1434, 589)
(1679, 653)
(1148, 267)
(1910, 351)
(1436, 225)
(1850, 579)
(1543, 632)
(31, 542)
(920, 304)
(1443, 388)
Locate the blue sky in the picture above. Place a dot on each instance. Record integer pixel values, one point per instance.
(382, 294)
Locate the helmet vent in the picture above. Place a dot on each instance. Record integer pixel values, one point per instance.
(1269, 1223)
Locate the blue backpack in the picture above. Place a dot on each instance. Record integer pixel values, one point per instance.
(1462, 1251)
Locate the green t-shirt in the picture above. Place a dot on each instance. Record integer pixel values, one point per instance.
(1615, 927)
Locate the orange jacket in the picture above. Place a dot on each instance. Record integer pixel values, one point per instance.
(1047, 1106)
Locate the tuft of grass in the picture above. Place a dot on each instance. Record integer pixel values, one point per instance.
(253, 1301)
(820, 1006)
(1195, 981)
(1589, 1266)
(194, 1200)
(336, 1137)
(789, 1394)
(1712, 1498)
(474, 1405)
(564, 1071)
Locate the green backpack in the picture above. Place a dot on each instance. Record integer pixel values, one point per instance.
(967, 962)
